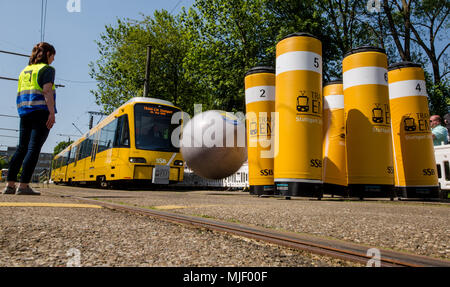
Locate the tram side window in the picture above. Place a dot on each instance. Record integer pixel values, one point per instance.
(438, 167)
(76, 155)
(73, 153)
(82, 148)
(57, 163)
(87, 147)
(94, 139)
(69, 158)
(65, 158)
(447, 170)
(107, 136)
(122, 138)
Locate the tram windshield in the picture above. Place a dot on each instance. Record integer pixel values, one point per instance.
(153, 129)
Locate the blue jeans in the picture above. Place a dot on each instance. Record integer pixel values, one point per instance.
(33, 134)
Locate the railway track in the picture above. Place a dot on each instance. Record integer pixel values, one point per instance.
(327, 247)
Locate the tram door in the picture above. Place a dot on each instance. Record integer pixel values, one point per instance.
(91, 164)
(120, 146)
(115, 151)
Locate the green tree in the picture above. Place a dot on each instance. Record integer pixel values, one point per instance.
(341, 27)
(202, 55)
(3, 163)
(414, 27)
(61, 146)
(228, 38)
(120, 70)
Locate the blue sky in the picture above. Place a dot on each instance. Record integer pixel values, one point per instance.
(73, 35)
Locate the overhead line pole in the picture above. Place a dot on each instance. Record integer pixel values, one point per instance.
(147, 71)
(91, 120)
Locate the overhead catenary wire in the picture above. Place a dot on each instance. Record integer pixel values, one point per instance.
(175, 6)
(76, 81)
(8, 79)
(77, 129)
(12, 79)
(14, 53)
(14, 130)
(61, 79)
(8, 116)
(64, 135)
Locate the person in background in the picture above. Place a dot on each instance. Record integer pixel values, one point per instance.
(439, 133)
(36, 107)
(447, 124)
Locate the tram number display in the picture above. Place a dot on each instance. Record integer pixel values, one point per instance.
(161, 174)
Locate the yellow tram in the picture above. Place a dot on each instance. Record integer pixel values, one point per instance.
(3, 174)
(133, 145)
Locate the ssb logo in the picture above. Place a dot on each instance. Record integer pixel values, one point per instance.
(317, 163)
(428, 171)
(266, 172)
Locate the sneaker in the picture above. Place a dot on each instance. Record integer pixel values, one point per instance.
(27, 191)
(9, 190)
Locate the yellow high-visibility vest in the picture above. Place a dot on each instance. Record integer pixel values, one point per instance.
(30, 96)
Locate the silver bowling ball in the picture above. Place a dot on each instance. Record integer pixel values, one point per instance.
(213, 144)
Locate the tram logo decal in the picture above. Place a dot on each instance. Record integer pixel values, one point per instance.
(381, 114)
(309, 103)
(303, 102)
(416, 123)
(410, 124)
(263, 127)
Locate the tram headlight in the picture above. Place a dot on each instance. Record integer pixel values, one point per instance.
(137, 160)
(178, 162)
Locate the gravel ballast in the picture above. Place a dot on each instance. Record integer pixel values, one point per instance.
(54, 236)
(416, 227)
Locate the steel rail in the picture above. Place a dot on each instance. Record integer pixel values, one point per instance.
(327, 247)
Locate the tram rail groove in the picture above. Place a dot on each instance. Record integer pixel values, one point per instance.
(322, 246)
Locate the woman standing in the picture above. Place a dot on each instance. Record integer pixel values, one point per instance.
(36, 106)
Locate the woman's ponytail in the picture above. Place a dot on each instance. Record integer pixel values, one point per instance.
(39, 53)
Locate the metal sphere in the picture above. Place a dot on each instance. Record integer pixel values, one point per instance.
(213, 144)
